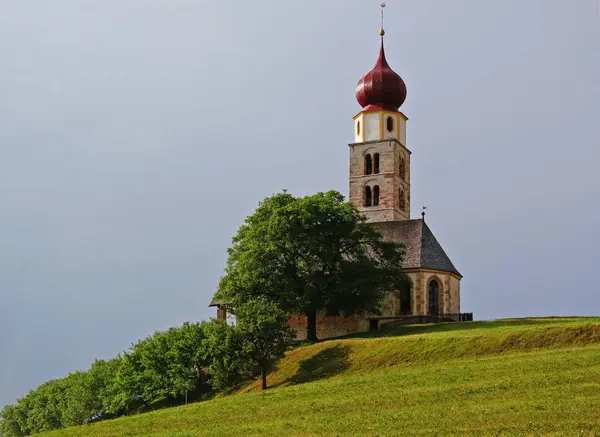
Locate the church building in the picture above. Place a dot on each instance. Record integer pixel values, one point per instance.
(380, 187)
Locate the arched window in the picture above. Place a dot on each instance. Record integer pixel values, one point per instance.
(368, 196)
(402, 169)
(434, 296)
(390, 124)
(368, 164)
(405, 300)
(358, 128)
(401, 200)
(376, 163)
(376, 195)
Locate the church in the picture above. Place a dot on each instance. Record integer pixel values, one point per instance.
(379, 180)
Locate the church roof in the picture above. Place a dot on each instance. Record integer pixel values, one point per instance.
(422, 248)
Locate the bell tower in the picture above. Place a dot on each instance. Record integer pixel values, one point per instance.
(379, 157)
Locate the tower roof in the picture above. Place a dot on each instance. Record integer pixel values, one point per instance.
(422, 248)
(382, 87)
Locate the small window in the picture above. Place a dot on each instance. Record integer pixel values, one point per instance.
(376, 163)
(402, 200)
(368, 196)
(358, 128)
(368, 164)
(402, 169)
(390, 124)
(376, 195)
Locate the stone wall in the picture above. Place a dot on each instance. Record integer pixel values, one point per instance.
(330, 326)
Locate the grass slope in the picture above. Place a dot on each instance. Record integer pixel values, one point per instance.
(511, 377)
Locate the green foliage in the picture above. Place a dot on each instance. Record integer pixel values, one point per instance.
(74, 400)
(237, 353)
(507, 378)
(224, 345)
(45, 406)
(168, 365)
(263, 325)
(311, 253)
(103, 387)
(9, 422)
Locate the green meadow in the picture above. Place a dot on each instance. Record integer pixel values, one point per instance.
(538, 377)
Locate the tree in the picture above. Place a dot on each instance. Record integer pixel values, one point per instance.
(9, 425)
(166, 365)
(102, 379)
(186, 361)
(225, 349)
(308, 254)
(44, 407)
(263, 326)
(79, 403)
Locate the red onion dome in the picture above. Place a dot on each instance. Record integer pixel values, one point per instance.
(381, 88)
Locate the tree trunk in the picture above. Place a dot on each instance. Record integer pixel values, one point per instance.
(263, 374)
(311, 326)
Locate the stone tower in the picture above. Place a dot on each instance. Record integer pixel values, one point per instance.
(379, 157)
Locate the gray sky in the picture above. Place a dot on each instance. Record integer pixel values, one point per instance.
(136, 135)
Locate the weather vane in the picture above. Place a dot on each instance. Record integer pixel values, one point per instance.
(423, 212)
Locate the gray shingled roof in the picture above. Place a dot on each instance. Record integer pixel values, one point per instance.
(422, 248)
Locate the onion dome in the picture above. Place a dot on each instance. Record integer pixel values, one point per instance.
(381, 88)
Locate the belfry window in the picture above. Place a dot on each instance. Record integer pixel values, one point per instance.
(390, 124)
(376, 195)
(434, 298)
(368, 196)
(368, 164)
(402, 169)
(401, 200)
(376, 163)
(358, 128)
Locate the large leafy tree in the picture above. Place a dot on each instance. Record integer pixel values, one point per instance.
(308, 254)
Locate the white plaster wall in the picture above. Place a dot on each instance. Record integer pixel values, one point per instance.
(371, 122)
(371, 126)
(402, 127)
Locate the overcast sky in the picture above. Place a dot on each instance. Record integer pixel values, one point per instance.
(136, 135)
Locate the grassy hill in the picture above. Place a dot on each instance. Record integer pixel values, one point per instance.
(509, 377)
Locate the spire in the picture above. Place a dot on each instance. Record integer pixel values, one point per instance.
(382, 31)
(381, 88)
